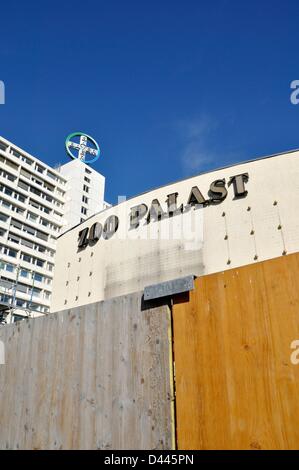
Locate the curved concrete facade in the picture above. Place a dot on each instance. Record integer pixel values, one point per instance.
(260, 223)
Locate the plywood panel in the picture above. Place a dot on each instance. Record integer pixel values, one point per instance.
(93, 377)
(235, 385)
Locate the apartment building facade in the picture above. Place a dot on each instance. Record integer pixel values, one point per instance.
(37, 204)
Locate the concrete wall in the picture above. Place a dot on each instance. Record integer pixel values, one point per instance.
(236, 232)
(94, 377)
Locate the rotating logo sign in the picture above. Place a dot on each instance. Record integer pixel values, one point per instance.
(83, 147)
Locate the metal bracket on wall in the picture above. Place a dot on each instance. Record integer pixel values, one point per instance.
(166, 289)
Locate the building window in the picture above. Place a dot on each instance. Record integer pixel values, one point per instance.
(36, 292)
(31, 216)
(35, 307)
(16, 224)
(23, 185)
(4, 217)
(39, 168)
(24, 273)
(26, 258)
(85, 199)
(38, 277)
(83, 210)
(4, 147)
(87, 171)
(86, 179)
(85, 188)
(18, 318)
(10, 268)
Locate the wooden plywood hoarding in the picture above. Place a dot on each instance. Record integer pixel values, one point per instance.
(93, 377)
(100, 376)
(236, 387)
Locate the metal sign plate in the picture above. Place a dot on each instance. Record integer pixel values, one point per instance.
(164, 289)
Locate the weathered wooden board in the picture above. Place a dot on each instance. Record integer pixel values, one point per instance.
(235, 385)
(93, 377)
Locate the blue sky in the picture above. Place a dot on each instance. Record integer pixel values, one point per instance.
(168, 88)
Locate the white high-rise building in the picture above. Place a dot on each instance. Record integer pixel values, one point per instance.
(37, 204)
(85, 192)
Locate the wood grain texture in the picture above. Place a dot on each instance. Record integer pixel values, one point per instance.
(93, 377)
(235, 385)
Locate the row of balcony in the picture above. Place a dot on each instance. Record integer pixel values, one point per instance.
(30, 168)
(43, 270)
(9, 270)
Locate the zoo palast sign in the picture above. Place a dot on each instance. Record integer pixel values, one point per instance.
(141, 212)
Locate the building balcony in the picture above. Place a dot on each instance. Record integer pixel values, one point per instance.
(46, 191)
(13, 185)
(36, 299)
(28, 207)
(32, 267)
(11, 275)
(30, 168)
(32, 238)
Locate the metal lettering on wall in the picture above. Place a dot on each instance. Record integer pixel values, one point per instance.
(216, 194)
